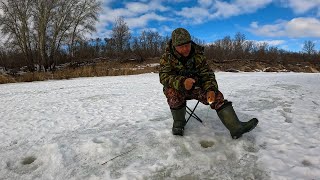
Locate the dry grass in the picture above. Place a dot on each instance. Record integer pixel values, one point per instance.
(6, 79)
(114, 68)
(100, 69)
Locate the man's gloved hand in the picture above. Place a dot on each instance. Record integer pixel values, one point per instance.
(211, 97)
(214, 97)
(188, 83)
(217, 101)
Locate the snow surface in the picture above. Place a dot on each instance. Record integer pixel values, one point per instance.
(120, 128)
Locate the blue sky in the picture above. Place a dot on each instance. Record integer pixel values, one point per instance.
(282, 23)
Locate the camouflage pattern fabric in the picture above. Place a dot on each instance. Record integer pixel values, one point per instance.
(174, 69)
(180, 36)
(177, 100)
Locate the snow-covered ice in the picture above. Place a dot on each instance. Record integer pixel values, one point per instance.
(120, 128)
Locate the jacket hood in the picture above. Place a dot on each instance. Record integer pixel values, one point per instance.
(195, 49)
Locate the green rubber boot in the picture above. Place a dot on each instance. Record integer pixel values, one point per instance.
(229, 118)
(179, 121)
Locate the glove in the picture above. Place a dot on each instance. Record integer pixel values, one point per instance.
(211, 97)
(188, 83)
(214, 97)
(218, 101)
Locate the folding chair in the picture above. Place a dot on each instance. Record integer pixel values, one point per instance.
(192, 113)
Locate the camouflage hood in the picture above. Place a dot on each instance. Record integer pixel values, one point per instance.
(180, 36)
(195, 49)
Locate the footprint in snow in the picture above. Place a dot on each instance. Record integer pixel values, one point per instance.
(97, 140)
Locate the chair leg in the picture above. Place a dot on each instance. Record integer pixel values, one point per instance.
(192, 114)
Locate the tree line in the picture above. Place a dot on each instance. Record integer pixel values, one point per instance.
(238, 48)
(41, 31)
(41, 34)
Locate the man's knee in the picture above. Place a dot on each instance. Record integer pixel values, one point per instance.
(175, 98)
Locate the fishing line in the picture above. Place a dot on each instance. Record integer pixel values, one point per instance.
(208, 110)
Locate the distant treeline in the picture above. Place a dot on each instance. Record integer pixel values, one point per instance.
(43, 34)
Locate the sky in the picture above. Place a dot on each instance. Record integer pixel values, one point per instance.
(286, 24)
(120, 128)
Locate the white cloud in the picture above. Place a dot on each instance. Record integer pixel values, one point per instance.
(142, 21)
(103, 33)
(178, 1)
(285, 47)
(271, 30)
(138, 7)
(139, 13)
(162, 30)
(304, 27)
(300, 6)
(205, 3)
(225, 9)
(195, 15)
(249, 6)
(166, 30)
(271, 42)
(296, 28)
(135, 14)
(109, 15)
(254, 24)
(207, 10)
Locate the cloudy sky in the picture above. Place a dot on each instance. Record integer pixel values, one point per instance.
(282, 23)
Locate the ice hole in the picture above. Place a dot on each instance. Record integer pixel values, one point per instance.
(206, 144)
(28, 160)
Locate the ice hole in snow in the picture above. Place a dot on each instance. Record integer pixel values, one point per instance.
(206, 144)
(28, 160)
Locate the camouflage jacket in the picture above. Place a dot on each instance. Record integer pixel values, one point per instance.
(174, 69)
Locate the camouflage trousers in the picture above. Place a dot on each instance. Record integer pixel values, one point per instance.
(177, 99)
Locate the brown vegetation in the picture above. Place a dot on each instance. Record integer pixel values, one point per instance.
(116, 68)
(95, 70)
(254, 66)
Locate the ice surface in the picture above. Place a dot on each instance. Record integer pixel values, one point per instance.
(67, 129)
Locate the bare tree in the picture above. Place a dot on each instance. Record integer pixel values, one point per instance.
(3, 57)
(44, 26)
(149, 43)
(143, 41)
(156, 44)
(16, 21)
(121, 35)
(84, 15)
(198, 41)
(248, 47)
(261, 50)
(43, 13)
(61, 21)
(226, 45)
(163, 44)
(238, 45)
(273, 54)
(110, 47)
(136, 47)
(309, 47)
